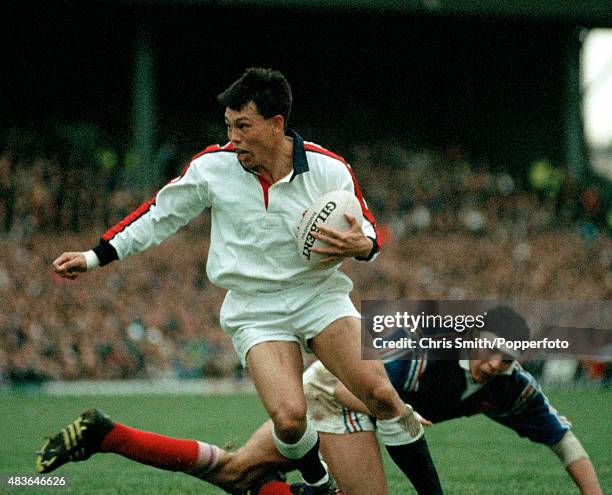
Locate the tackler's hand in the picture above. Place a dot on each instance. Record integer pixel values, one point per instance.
(424, 421)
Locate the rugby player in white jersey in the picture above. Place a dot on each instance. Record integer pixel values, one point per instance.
(257, 186)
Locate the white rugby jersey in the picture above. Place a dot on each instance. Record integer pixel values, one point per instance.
(254, 224)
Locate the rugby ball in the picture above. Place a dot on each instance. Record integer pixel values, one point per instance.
(328, 210)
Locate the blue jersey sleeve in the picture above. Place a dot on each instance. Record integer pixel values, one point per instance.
(531, 415)
(398, 373)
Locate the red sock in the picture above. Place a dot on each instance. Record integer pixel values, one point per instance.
(157, 450)
(275, 488)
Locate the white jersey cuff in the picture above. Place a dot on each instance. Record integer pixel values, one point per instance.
(92, 259)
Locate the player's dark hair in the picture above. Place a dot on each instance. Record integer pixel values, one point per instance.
(507, 323)
(267, 88)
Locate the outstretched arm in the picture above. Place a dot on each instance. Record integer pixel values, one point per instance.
(578, 465)
(583, 474)
(347, 399)
(174, 205)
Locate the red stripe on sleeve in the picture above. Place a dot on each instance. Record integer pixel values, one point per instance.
(366, 213)
(131, 218)
(146, 206)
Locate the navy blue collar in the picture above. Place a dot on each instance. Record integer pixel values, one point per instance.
(300, 164)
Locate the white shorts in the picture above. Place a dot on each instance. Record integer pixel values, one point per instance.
(295, 314)
(327, 414)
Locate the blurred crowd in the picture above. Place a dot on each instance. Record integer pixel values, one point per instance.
(444, 192)
(452, 230)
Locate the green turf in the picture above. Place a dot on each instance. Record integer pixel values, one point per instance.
(474, 456)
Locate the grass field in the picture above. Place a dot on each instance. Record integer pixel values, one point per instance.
(474, 456)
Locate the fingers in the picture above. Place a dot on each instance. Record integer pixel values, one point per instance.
(331, 236)
(62, 260)
(335, 238)
(69, 265)
(340, 234)
(340, 244)
(69, 275)
(422, 420)
(330, 241)
(329, 251)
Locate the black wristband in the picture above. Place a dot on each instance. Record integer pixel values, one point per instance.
(372, 252)
(105, 252)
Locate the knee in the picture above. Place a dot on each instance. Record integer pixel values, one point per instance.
(381, 399)
(289, 420)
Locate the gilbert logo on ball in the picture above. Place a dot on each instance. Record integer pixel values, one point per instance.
(328, 210)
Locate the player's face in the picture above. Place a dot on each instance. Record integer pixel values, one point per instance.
(482, 370)
(252, 136)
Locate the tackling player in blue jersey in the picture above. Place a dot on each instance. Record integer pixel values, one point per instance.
(442, 385)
